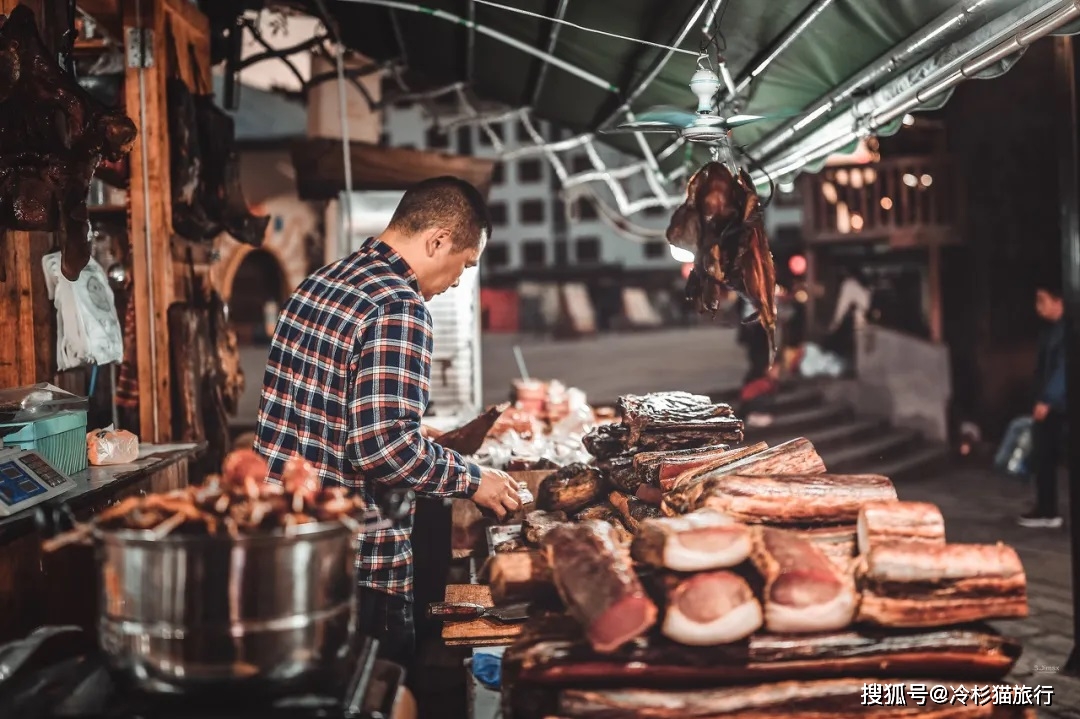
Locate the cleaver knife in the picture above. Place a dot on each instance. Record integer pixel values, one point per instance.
(468, 611)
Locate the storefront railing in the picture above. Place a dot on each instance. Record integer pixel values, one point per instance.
(907, 201)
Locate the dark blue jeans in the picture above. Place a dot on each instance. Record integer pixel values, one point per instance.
(1047, 443)
(388, 619)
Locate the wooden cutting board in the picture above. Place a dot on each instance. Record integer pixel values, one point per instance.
(479, 632)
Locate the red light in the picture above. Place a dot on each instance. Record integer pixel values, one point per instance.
(797, 264)
(686, 268)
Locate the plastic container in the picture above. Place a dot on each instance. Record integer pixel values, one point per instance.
(60, 439)
(20, 405)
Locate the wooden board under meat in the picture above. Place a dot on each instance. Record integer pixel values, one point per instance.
(478, 632)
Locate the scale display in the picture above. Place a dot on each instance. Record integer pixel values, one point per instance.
(26, 480)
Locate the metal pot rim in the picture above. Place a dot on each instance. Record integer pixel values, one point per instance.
(301, 533)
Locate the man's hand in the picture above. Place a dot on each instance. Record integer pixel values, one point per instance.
(1041, 410)
(497, 492)
(430, 432)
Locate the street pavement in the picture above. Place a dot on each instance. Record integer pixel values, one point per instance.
(701, 359)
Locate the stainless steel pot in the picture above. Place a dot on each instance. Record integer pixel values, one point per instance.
(185, 613)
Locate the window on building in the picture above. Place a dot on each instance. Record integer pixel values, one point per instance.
(497, 255)
(588, 249)
(534, 253)
(464, 141)
(655, 250)
(581, 163)
(498, 214)
(562, 253)
(497, 174)
(532, 212)
(586, 210)
(531, 170)
(485, 139)
(437, 139)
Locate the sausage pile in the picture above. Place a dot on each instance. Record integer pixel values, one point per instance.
(240, 501)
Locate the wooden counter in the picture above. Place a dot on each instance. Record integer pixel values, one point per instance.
(60, 588)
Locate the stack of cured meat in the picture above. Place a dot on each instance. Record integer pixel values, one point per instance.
(678, 577)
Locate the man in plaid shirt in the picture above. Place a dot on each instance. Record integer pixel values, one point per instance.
(348, 380)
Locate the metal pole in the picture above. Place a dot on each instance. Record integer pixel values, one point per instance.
(500, 36)
(783, 43)
(906, 51)
(658, 64)
(1069, 201)
(1004, 36)
(555, 27)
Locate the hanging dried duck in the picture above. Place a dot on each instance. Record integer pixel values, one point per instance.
(53, 134)
(721, 222)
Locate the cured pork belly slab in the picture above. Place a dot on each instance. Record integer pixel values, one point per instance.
(837, 543)
(538, 523)
(659, 467)
(812, 499)
(552, 651)
(673, 475)
(884, 522)
(596, 580)
(666, 410)
(518, 576)
(917, 584)
(797, 457)
(804, 591)
(571, 488)
(604, 512)
(695, 542)
(710, 608)
(632, 510)
(665, 421)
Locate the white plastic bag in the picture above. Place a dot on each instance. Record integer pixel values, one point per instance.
(111, 446)
(87, 328)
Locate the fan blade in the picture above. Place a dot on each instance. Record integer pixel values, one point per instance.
(740, 120)
(670, 115)
(652, 127)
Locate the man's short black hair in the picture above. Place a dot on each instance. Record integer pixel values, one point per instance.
(1050, 283)
(448, 202)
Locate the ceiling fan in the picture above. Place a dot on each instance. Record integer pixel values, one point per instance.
(705, 124)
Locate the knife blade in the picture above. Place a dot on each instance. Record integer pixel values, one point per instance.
(468, 611)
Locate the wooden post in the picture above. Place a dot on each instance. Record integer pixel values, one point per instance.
(933, 267)
(1068, 132)
(150, 219)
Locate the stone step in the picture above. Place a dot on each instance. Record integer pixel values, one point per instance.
(841, 434)
(924, 458)
(794, 422)
(787, 400)
(826, 435)
(872, 450)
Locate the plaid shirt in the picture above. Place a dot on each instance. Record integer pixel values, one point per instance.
(346, 384)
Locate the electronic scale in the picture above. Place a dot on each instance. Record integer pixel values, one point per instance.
(26, 480)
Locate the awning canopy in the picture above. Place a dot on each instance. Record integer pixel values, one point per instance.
(841, 65)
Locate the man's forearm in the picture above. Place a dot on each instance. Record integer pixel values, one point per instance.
(399, 458)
